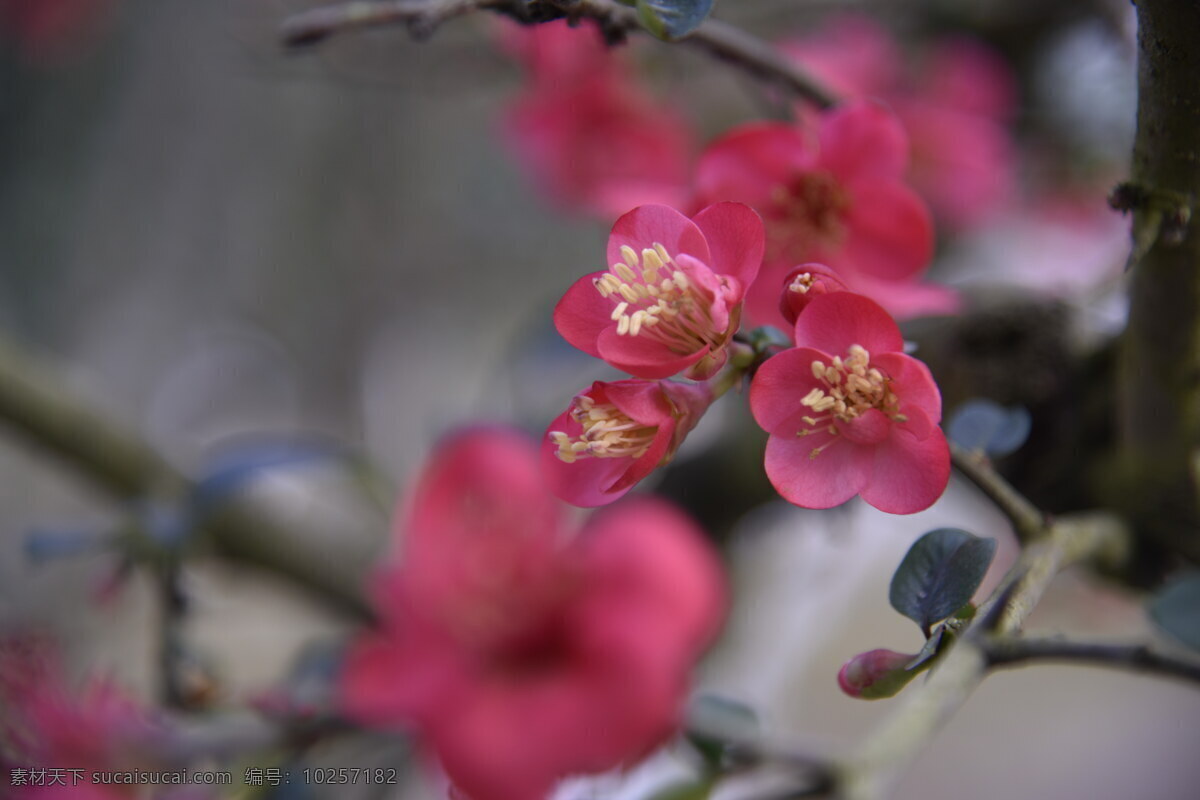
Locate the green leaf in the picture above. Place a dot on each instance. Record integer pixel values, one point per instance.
(685, 790)
(939, 574)
(714, 721)
(672, 19)
(1176, 609)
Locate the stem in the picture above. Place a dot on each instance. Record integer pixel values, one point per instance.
(1028, 522)
(1006, 651)
(47, 414)
(720, 40)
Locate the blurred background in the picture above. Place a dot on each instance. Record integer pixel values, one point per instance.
(215, 241)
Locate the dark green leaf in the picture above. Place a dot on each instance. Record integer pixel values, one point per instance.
(672, 19)
(990, 427)
(939, 574)
(714, 722)
(1176, 609)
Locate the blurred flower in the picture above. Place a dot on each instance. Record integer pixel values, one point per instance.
(955, 104)
(49, 726)
(849, 413)
(615, 434)
(673, 295)
(838, 198)
(51, 30)
(590, 136)
(804, 283)
(876, 674)
(520, 654)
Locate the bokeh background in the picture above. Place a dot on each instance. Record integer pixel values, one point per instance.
(213, 240)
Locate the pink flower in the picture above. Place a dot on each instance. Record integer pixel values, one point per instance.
(954, 103)
(849, 413)
(673, 295)
(615, 434)
(804, 283)
(518, 653)
(838, 198)
(876, 674)
(47, 724)
(590, 136)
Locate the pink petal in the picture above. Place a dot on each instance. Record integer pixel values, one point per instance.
(748, 163)
(906, 299)
(833, 322)
(909, 474)
(643, 357)
(735, 237)
(913, 383)
(586, 482)
(836, 474)
(642, 401)
(392, 680)
(648, 225)
(582, 314)
(779, 385)
(890, 231)
(863, 140)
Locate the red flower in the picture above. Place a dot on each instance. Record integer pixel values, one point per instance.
(849, 413)
(838, 198)
(804, 283)
(590, 136)
(673, 295)
(615, 434)
(519, 654)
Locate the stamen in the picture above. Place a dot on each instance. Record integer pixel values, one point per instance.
(607, 433)
(851, 388)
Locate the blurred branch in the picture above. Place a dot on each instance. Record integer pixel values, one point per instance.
(1028, 522)
(721, 40)
(43, 411)
(1012, 651)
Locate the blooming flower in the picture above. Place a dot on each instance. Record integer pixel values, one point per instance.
(615, 434)
(955, 104)
(673, 295)
(838, 198)
(849, 413)
(590, 136)
(518, 653)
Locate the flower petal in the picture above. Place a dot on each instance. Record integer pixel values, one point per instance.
(863, 139)
(735, 237)
(890, 231)
(833, 322)
(910, 474)
(913, 383)
(832, 477)
(586, 482)
(778, 387)
(643, 357)
(648, 225)
(582, 314)
(749, 162)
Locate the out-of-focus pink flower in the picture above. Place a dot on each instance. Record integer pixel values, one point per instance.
(849, 413)
(954, 102)
(876, 674)
(48, 725)
(804, 283)
(517, 652)
(51, 30)
(838, 198)
(590, 136)
(615, 434)
(673, 296)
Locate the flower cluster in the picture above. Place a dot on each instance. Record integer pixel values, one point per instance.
(519, 651)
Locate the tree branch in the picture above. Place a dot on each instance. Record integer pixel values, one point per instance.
(721, 40)
(1028, 522)
(1008, 651)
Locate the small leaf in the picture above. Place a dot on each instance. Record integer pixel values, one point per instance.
(939, 574)
(672, 19)
(714, 722)
(1176, 609)
(990, 427)
(933, 645)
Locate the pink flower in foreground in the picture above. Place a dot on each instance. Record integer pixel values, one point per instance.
(615, 434)
(672, 297)
(520, 654)
(48, 725)
(849, 413)
(838, 198)
(591, 137)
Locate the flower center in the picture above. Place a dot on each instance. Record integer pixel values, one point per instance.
(655, 299)
(808, 212)
(607, 433)
(853, 389)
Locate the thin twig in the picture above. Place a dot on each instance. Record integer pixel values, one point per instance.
(1028, 522)
(1009, 651)
(721, 40)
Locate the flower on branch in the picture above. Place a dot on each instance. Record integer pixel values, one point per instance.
(837, 197)
(518, 651)
(849, 413)
(593, 139)
(672, 297)
(615, 434)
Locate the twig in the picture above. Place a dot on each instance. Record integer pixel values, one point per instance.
(49, 415)
(1028, 522)
(422, 17)
(1009, 651)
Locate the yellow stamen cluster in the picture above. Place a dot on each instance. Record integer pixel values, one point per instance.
(655, 299)
(802, 283)
(607, 433)
(852, 387)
